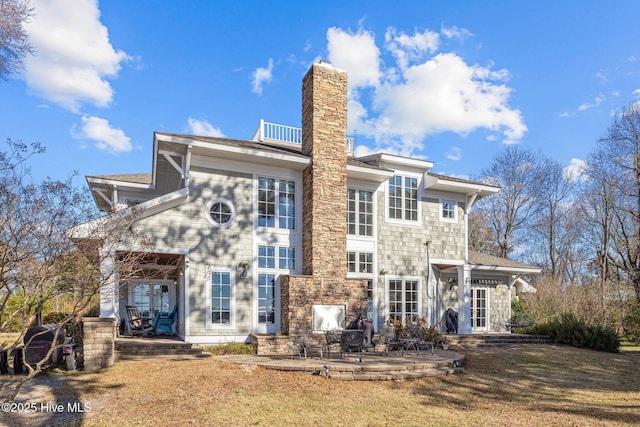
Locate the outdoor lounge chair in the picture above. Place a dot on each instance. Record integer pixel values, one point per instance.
(165, 323)
(137, 325)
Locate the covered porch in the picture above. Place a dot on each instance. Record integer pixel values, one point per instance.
(149, 285)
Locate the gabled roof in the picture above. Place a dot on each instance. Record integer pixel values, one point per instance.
(482, 261)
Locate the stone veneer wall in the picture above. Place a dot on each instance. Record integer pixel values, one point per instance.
(300, 293)
(98, 343)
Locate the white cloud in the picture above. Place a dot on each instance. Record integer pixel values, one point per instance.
(356, 53)
(636, 93)
(587, 105)
(576, 170)
(454, 32)
(419, 93)
(106, 138)
(454, 154)
(74, 57)
(203, 128)
(410, 48)
(262, 76)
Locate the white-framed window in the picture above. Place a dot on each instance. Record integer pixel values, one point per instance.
(220, 295)
(403, 198)
(266, 298)
(360, 212)
(270, 256)
(220, 212)
(276, 203)
(448, 210)
(360, 262)
(272, 260)
(403, 298)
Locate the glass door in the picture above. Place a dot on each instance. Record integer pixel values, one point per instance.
(152, 297)
(479, 310)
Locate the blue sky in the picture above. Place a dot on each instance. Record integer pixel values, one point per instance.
(451, 82)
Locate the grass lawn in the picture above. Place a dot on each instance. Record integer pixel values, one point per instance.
(515, 385)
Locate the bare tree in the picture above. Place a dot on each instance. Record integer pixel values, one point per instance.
(511, 211)
(14, 41)
(549, 227)
(614, 170)
(40, 258)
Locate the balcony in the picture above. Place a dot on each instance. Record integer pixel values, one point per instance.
(272, 132)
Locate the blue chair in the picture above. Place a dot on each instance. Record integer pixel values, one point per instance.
(166, 323)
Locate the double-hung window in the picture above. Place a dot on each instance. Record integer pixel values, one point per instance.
(276, 203)
(360, 212)
(403, 198)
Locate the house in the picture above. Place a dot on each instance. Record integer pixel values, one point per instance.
(291, 232)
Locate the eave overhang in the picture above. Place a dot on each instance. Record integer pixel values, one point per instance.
(440, 183)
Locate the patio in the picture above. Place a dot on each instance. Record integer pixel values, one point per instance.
(367, 366)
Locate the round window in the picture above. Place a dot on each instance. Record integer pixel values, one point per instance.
(220, 212)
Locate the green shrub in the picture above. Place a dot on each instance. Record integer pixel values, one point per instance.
(569, 330)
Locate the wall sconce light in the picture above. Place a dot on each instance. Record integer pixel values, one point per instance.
(383, 272)
(451, 281)
(243, 265)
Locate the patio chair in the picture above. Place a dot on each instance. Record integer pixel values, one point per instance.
(165, 323)
(388, 338)
(137, 325)
(415, 334)
(332, 339)
(351, 341)
(297, 346)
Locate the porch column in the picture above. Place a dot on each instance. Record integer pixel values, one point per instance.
(109, 286)
(464, 299)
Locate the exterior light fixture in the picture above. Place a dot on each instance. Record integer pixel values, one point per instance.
(243, 265)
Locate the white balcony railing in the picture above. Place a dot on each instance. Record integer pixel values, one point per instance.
(280, 133)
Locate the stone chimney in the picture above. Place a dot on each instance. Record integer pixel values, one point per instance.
(324, 229)
(324, 135)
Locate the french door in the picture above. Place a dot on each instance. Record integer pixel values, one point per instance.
(479, 309)
(152, 297)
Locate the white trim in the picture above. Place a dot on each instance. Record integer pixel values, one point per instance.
(222, 200)
(112, 182)
(487, 317)
(177, 167)
(232, 298)
(419, 197)
(268, 233)
(390, 277)
(391, 159)
(374, 214)
(468, 188)
(441, 216)
(212, 146)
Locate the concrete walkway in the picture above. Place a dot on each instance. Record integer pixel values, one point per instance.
(369, 366)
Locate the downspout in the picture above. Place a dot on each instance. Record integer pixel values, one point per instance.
(431, 297)
(467, 208)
